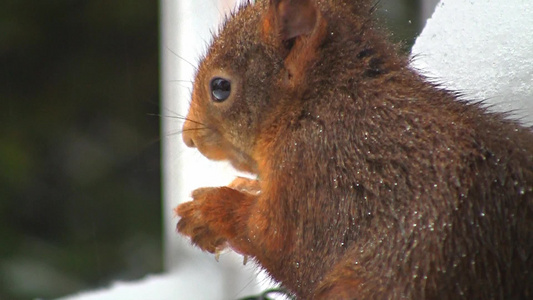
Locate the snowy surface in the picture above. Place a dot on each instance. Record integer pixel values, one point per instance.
(198, 279)
(483, 48)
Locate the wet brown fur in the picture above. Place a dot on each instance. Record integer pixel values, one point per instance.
(375, 184)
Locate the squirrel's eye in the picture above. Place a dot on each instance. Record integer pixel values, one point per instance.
(220, 89)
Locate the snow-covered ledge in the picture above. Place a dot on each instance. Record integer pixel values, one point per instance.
(482, 48)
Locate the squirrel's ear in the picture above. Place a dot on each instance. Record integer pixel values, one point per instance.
(293, 17)
(298, 27)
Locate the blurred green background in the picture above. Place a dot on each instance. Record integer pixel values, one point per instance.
(80, 200)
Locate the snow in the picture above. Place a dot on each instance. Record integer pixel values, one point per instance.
(197, 279)
(483, 48)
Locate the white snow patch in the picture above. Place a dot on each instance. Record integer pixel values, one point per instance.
(484, 49)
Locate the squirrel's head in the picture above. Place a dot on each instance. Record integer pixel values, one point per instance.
(252, 74)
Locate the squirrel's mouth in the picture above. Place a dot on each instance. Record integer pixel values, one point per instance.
(215, 147)
(224, 151)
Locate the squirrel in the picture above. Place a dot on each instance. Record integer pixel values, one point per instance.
(372, 183)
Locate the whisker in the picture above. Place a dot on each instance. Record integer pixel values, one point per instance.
(375, 7)
(170, 134)
(181, 80)
(194, 129)
(180, 132)
(191, 64)
(184, 85)
(176, 117)
(170, 111)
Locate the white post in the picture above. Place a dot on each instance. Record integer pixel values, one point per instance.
(183, 30)
(185, 33)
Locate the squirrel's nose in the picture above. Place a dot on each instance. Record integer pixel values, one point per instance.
(186, 134)
(189, 141)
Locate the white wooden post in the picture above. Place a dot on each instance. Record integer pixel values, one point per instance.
(186, 30)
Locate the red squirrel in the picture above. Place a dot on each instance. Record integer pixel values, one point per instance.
(372, 183)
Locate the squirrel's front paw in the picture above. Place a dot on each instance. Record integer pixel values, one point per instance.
(246, 185)
(200, 220)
